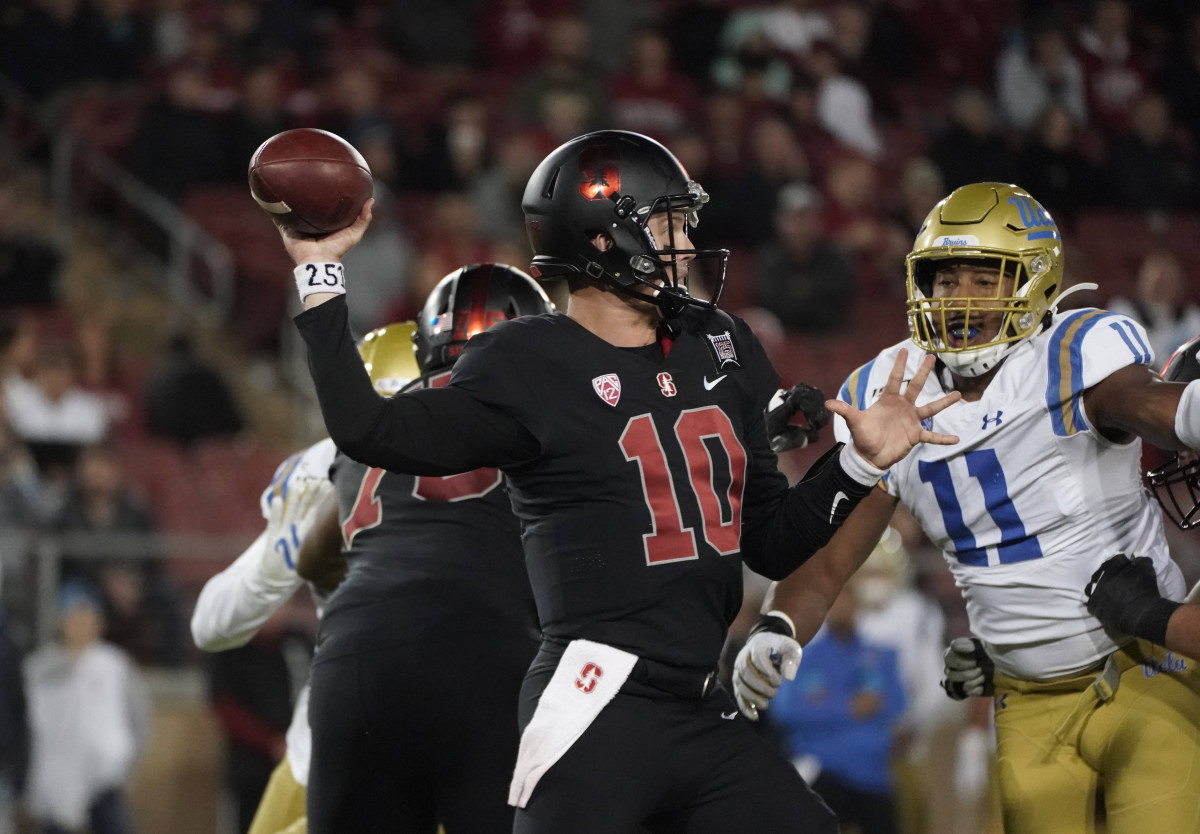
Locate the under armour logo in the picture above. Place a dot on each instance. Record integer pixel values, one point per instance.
(586, 681)
(666, 384)
(987, 418)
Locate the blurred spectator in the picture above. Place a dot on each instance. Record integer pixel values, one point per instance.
(776, 161)
(750, 67)
(1161, 304)
(497, 192)
(386, 254)
(876, 45)
(1179, 78)
(802, 277)
(801, 108)
(109, 540)
(791, 27)
(14, 726)
(253, 690)
(838, 717)
(1147, 169)
(178, 142)
(921, 187)
(694, 27)
(650, 96)
(1116, 75)
(510, 33)
(891, 612)
(29, 260)
(969, 149)
(453, 152)
(1052, 167)
(260, 113)
(566, 77)
(355, 107)
(90, 719)
(47, 47)
(52, 414)
(843, 103)
(186, 399)
(430, 33)
(612, 26)
(123, 43)
(1037, 70)
(854, 214)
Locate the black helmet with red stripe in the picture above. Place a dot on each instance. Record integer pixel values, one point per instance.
(469, 301)
(1176, 484)
(611, 182)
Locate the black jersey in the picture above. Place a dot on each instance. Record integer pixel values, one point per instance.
(425, 552)
(640, 475)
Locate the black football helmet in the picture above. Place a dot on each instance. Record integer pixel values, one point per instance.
(469, 301)
(1176, 484)
(611, 182)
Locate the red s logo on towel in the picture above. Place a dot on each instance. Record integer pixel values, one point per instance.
(586, 681)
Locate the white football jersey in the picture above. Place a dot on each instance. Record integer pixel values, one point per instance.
(1031, 500)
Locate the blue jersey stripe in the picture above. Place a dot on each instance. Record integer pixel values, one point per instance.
(1129, 334)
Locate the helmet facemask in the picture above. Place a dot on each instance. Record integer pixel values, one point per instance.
(1176, 486)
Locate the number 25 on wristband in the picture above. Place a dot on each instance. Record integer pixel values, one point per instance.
(325, 275)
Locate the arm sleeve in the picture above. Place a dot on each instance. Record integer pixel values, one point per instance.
(235, 603)
(803, 518)
(441, 431)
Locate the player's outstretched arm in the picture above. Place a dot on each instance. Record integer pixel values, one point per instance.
(235, 603)
(887, 431)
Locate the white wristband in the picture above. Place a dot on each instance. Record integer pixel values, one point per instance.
(320, 277)
(1187, 416)
(859, 468)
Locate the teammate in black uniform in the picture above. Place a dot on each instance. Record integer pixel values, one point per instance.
(631, 431)
(424, 644)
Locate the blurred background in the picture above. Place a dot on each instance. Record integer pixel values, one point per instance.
(152, 381)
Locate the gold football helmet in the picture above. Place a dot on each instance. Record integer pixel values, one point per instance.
(1002, 225)
(390, 356)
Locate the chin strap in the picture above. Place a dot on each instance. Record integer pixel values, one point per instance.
(1085, 285)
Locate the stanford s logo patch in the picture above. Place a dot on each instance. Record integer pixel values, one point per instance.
(586, 681)
(608, 387)
(666, 384)
(600, 177)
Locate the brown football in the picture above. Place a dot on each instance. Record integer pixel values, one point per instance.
(311, 181)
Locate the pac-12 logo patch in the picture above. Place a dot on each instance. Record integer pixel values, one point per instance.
(608, 387)
(588, 677)
(666, 384)
(599, 176)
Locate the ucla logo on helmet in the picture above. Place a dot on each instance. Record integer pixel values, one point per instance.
(1035, 218)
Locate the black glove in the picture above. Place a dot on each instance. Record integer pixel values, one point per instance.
(968, 669)
(802, 399)
(1123, 595)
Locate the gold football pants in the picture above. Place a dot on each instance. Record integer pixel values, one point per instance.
(282, 803)
(1135, 728)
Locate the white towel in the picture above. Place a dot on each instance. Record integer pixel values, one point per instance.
(586, 679)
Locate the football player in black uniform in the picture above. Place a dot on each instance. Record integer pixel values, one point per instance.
(424, 644)
(632, 434)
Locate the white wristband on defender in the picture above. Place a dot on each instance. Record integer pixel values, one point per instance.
(320, 277)
(1187, 416)
(775, 612)
(859, 468)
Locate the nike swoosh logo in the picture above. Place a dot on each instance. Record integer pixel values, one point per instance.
(837, 499)
(708, 386)
(729, 716)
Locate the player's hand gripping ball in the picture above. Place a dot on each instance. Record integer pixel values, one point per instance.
(309, 181)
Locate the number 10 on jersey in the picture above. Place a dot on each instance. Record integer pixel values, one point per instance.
(720, 511)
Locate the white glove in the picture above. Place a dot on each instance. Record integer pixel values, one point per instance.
(968, 669)
(291, 514)
(770, 655)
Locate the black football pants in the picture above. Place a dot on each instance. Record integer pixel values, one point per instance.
(408, 737)
(669, 765)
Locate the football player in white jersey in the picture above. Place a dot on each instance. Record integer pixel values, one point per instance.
(235, 603)
(1123, 593)
(1042, 488)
